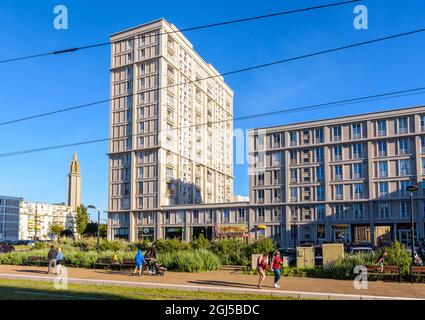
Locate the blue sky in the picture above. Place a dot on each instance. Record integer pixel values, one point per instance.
(40, 85)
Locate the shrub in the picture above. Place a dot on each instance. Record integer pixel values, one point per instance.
(200, 243)
(231, 251)
(171, 245)
(343, 268)
(189, 261)
(399, 256)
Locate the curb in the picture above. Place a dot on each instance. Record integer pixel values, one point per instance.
(182, 287)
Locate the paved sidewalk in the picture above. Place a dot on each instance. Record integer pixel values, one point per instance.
(228, 281)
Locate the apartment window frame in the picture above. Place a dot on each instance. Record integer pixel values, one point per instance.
(356, 131)
(337, 133)
(403, 129)
(381, 128)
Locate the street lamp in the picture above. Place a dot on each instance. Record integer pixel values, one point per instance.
(411, 189)
(98, 226)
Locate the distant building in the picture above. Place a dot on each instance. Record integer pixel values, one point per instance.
(36, 219)
(74, 184)
(9, 218)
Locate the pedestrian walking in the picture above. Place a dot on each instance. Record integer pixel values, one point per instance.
(262, 263)
(59, 261)
(381, 261)
(52, 257)
(276, 265)
(139, 260)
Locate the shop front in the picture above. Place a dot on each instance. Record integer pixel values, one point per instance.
(232, 231)
(173, 233)
(207, 232)
(146, 234)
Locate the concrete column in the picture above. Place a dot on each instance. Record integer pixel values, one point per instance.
(131, 227)
(370, 176)
(158, 230)
(187, 235)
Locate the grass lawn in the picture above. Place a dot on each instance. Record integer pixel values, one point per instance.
(34, 290)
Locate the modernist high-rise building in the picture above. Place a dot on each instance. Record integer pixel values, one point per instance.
(74, 184)
(170, 144)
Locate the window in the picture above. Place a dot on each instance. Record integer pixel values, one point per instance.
(276, 194)
(293, 137)
(306, 156)
(337, 134)
(241, 215)
(382, 148)
(358, 171)
(319, 154)
(320, 135)
(293, 156)
(337, 153)
(403, 125)
(403, 146)
(383, 189)
(382, 169)
(276, 140)
(260, 215)
(276, 158)
(294, 194)
(320, 211)
(277, 214)
(320, 193)
(356, 131)
(339, 212)
(320, 175)
(261, 196)
(208, 216)
(423, 166)
(358, 210)
(403, 186)
(179, 217)
(405, 209)
(306, 175)
(423, 145)
(384, 210)
(422, 120)
(226, 216)
(358, 191)
(260, 143)
(357, 151)
(339, 192)
(260, 179)
(404, 167)
(294, 175)
(382, 128)
(338, 173)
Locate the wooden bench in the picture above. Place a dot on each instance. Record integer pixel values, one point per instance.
(38, 261)
(106, 263)
(416, 271)
(387, 271)
(128, 264)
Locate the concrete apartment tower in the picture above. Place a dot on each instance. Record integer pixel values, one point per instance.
(74, 184)
(162, 152)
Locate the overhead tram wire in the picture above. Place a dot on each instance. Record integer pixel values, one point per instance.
(376, 97)
(277, 62)
(211, 25)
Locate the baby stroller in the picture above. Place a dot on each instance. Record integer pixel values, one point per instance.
(159, 269)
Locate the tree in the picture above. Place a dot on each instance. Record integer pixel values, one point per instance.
(56, 229)
(67, 233)
(91, 230)
(81, 219)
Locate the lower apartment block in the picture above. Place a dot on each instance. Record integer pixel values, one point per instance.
(333, 180)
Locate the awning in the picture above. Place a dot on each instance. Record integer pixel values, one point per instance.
(261, 226)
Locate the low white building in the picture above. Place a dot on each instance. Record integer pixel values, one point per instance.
(36, 219)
